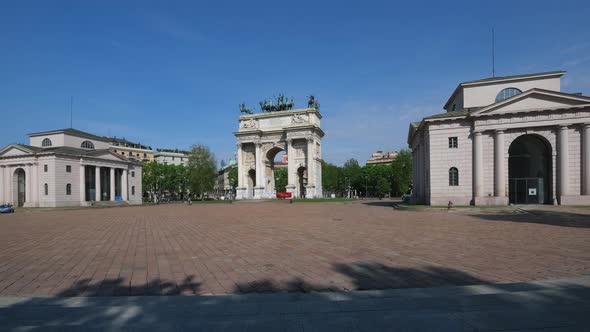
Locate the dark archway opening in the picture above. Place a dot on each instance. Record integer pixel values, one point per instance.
(20, 181)
(529, 170)
(251, 182)
(302, 181)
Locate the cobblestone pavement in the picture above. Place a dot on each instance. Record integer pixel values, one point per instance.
(276, 246)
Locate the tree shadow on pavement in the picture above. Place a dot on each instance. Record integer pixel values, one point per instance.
(122, 287)
(264, 312)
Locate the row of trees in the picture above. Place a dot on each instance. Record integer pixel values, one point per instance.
(369, 180)
(178, 182)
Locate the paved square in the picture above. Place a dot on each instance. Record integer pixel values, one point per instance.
(275, 246)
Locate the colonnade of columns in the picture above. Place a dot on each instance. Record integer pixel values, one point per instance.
(563, 170)
(97, 183)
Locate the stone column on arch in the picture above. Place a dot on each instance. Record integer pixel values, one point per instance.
(240, 166)
(259, 172)
(499, 165)
(240, 185)
(290, 167)
(586, 159)
(112, 178)
(310, 169)
(477, 166)
(563, 161)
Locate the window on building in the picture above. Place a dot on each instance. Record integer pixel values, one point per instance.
(453, 176)
(172, 158)
(507, 93)
(68, 168)
(453, 143)
(132, 190)
(132, 174)
(45, 168)
(87, 145)
(68, 189)
(46, 187)
(454, 106)
(138, 154)
(46, 142)
(145, 155)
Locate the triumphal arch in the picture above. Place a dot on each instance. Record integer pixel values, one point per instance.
(261, 136)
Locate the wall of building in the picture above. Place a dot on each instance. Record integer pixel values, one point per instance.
(169, 159)
(48, 178)
(56, 140)
(134, 180)
(442, 158)
(62, 178)
(484, 95)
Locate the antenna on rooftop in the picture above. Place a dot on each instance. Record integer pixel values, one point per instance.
(71, 112)
(493, 55)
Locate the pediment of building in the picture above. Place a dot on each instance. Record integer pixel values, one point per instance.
(532, 101)
(13, 151)
(107, 155)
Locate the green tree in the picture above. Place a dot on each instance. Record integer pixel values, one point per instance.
(332, 179)
(281, 179)
(232, 177)
(353, 175)
(202, 170)
(402, 172)
(382, 186)
(152, 179)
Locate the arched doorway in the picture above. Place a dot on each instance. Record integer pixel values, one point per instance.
(19, 180)
(529, 170)
(251, 182)
(276, 172)
(301, 181)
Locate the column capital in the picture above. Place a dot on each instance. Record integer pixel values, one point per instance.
(477, 133)
(239, 145)
(499, 131)
(585, 125)
(563, 127)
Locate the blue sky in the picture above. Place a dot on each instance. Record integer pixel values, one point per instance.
(171, 74)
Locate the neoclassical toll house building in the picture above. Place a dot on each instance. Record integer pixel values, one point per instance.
(262, 136)
(67, 168)
(515, 139)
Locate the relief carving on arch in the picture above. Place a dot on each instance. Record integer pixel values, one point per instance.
(250, 123)
(300, 118)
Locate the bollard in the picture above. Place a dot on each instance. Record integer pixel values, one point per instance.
(290, 201)
(450, 206)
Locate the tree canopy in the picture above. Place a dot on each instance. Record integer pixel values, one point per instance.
(202, 170)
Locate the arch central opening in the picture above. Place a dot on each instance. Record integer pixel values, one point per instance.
(529, 170)
(276, 171)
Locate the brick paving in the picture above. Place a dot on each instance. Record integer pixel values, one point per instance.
(275, 246)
